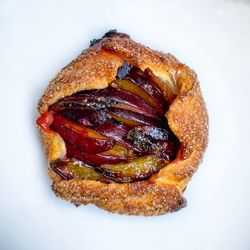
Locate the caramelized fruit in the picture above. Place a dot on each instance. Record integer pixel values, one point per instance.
(132, 118)
(132, 88)
(153, 140)
(85, 116)
(84, 138)
(94, 159)
(145, 82)
(45, 120)
(137, 169)
(119, 132)
(77, 170)
(115, 131)
(121, 96)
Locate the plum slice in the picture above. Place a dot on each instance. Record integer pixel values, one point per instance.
(82, 137)
(138, 169)
(153, 140)
(119, 133)
(121, 96)
(170, 87)
(93, 159)
(102, 99)
(132, 118)
(131, 87)
(77, 170)
(85, 116)
(120, 150)
(116, 131)
(145, 81)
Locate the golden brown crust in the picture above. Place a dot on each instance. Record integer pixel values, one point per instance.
(131, 198)
(187, 117)
(94, 68)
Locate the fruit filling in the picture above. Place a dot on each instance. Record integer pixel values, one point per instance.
(116, 134)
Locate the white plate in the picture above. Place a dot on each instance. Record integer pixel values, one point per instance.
(38, 38)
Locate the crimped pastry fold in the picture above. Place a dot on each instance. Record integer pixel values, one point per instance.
(187, 117)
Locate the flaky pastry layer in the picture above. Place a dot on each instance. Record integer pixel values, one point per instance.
(95, 68)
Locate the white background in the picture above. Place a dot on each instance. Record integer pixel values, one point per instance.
(38, 38)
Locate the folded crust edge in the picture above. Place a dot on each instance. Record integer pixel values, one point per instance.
(187, 117)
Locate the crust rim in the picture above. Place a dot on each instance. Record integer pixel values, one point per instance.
(187, 117)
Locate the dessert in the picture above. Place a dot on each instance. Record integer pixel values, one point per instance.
(124, 128)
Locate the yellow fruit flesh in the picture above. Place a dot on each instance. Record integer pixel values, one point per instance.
(119, 150)
(124, 120)
(82, 171)
(134, 89)
(136, 169)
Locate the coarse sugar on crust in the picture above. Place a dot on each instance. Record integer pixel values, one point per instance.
(187, 117)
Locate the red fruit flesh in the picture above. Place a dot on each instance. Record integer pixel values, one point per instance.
(114, 125)
(103, 98)
(166, 150)
(118, 132)
(45, 120)
(84, 138)
(85, 100)
(85, 116)
(93, 159)
(142, 80)
(121, 96)
(133, 88)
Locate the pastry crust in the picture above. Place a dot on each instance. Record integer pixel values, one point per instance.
(187, 117)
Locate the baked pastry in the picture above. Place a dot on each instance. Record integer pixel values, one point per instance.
(124, 127)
